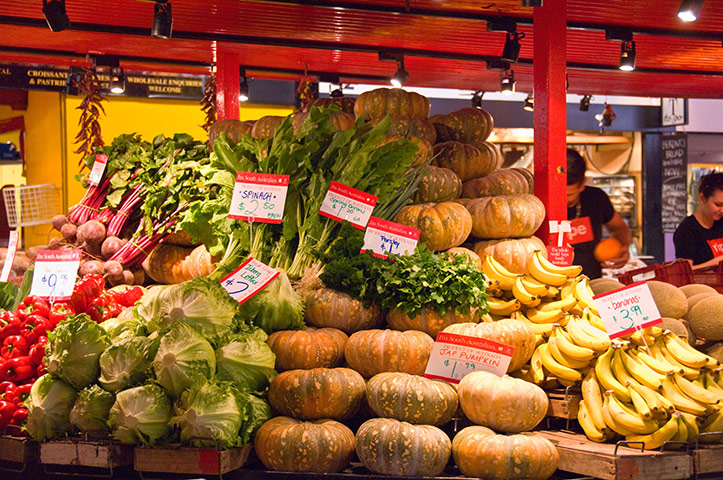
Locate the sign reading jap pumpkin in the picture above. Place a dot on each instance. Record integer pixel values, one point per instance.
(454, 356)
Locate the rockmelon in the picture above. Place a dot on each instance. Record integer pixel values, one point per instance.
(696, 288)
(693, 301)
(602, 285)
(706, 318)
(671, 302)
(675, 326)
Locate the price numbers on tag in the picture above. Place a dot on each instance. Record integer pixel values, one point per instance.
(343, 203)
(454, 356)
(259, 197)
(627, 309)
(55, 273)
(383, 238)
(248, 279)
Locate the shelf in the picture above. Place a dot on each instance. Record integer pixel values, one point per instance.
(570, 139)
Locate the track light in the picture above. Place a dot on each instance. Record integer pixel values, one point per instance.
(477, 99)
(511, 50)
(507, 83)
(162, 20)
(337, 92)
(400, 76)
(531, 3)
(243, 92)
(585, 103)
(55, 15)
(689, 10)
(627, 56)
(529, 103)
(117, 82)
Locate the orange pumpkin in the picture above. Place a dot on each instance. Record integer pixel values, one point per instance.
(468, 160)
(473, 257)
(438, 185)
(234, 130)
(309, 348)
(410, 127)
(507, 181)
(374, 351)
(326, 307)
(428, 320)
(465, 125)
(394, 101)
(345, 103)
(506, 216)
(424, 149)
(443, 225)
(512, 253)
(265, 127)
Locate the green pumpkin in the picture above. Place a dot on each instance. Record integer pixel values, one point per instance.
(308, 348)
(438, 185)
(443, 225)
(506, 216)
(410, 127)
(508, 181)
(345, 103)
(465, 125)
(265, 127)
(468, 160)
(325, 307)
(394, 101)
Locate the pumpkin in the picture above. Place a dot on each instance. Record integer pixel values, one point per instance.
(265, 127)
(341, 120)
(474, 259)
(394, 101)
(391, 447)
(411, 398)
(465, 125)
(468, 160)
(443, 225)
(512, 253)
(309, 348)
(289, 445)
(438, 185)
(172, 264)
(506, 216)
(345, 103)
(529, 175)
(507, 181)
(428, 320)
(514, 333)
(424, 149)
(374, 351)
(504, 404)
(234, 130)
(326, 307)
(410, 127)
(317, 393)
(481, 453)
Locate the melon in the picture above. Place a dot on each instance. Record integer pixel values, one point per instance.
(696, 288)
(602, 285)
(706, 318)
(716, 351)
(675, 326)
(693, 301)
(671, 302)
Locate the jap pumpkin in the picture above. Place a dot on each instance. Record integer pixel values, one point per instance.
(289, 445)
(345, 103)
(411, 398)
(265, 127)
(171, 264)
(428, 320)
(468, 160)
(464, 125)
(507, 181)
(504, 404)
(234, 130)
(512, 253)
(474, 259)
(506, 216)
(529, 175)
(374, 351)
(394, 101)
(317, 393)
(443, 225)
(514, 333)
(438, 185)
(481, 453)
(410, 127)
(391, 447)
(326, 307)
(309, 348)
(341, 120)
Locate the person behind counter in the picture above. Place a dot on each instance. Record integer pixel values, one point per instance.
(588, 209)
(699, 238)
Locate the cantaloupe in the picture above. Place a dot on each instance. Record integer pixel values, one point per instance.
(696, 288)
(675, 326)
(692, 339)
(716, 351)
(602, 285)
(692, 301)
(671, 302)
(706, 318)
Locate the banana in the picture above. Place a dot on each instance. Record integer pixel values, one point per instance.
(545, 271)
(593, 397)
(594, 320)
(691, 423)
(661, 352)
(552, 291)
(719, 376)
(592, 431)
(567, 288)
(503, 307)
(681, 435)
(521, 293)
(604, 373)
(627, 416)
(661, 367)
(710, 384)
(534, 286)
(563, 304)
(535, 315)
(583, 293)
(540, 339)
(681, 401)
(714, 423)
(659, 405)
(494, 270)
(640, 339)
(611, 421)
(568, 270)
(657, 438)
(538, 374)
(571, 349)
(579, 335)
(683, 352)
(537, 328)
(641, 406)
(619, 370)
(563, 359)
(696, 392)
(641, 372)
(486, 318)
(556, 368)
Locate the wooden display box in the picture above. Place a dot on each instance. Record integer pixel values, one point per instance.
(707, 459)
(563, 405)
(190, 460)
(581, 456)
(18, 450)
(73, 452)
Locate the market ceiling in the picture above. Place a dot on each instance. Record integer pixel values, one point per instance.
(446, 43)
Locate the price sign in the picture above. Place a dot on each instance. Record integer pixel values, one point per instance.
(248, 279)
(345, 203)
(454, 356)
(10, 257)
(55, 272)
(560, 255)
(96, 172)
(259, 197)
(383, 238)
(627, 309)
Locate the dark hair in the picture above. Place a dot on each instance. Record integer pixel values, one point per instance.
(709, 183)
(575, 167)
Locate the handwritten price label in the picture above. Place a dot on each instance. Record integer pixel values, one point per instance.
(454, 356)
(627, 309)
(259, 197)
(10, 257)
(96, 173)
(383, 238)
(248, 279)
(55, 272)
(345, 203)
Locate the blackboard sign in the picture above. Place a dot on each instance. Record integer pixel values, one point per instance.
(674, 169)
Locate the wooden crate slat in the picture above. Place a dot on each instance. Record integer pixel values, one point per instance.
(708, 459)
(95, 454)
(18, 449)
(188, 460)
(563, 406)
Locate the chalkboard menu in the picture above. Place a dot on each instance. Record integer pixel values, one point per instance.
(674, 161)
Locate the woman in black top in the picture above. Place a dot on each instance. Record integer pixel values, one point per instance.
(699, 238)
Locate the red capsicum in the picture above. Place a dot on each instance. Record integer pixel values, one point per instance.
(20, 415)
(14, 346)
(103, 308)
(37, 351)
(17, 369)
(59, 312)
(7, 390)
(22, 392)
(35, 326)
(10, 324)
(129, 296)
(33, 305)
(41, 370)
(91, 285)
(6, 413)
(77, 300)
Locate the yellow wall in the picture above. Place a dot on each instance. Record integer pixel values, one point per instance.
(10, 174)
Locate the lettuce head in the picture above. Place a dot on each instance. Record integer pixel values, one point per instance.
(122, 327)
(247, 360)
(127, 363)
(49, 405)
(276, 307)
(140, 415)
(91, 408)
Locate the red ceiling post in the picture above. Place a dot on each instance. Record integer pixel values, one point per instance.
(228, 84)
(550, 115)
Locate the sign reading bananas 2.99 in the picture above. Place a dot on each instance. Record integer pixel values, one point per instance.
(627, 309)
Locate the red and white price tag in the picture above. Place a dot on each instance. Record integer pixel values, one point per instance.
(560, 255)
(346, 203)
(259, 197)
(627, 309)
(383, 237)
(454, 356)
(96, 173)
(55, 272)
(248, 279)
(10, 257)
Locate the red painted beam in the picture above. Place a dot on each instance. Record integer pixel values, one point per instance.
(550, 115)
(228, 85)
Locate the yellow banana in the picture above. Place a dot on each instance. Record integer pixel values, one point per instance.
(556, 368)
(494, 270)
(537, 328)
(641, 372)
(592, 431)
(571, 349)
(681, 435)
(658, 405)
(714, 423)
(486, 318)
(579, 335)
(719, 376)
(611, 421)
(619, 370)
(552, 291)
(593, 397)
(563, 359)
(604, 373)
(661, 352)
(683, 352)
(627, 416)
(640, 339)
(696, 392)
(567, 288)
(691, 423)
(538, 374)
(538, 316)
(521, 293)
(593, 320)
(641, 406)
(568, 270)
(583, 293)
(661, 367)
(564, 304)
(660, 436)
(534, 286)
(503, 307)
(545, 271)
(681, 401)
(540, 339)
(710, 384)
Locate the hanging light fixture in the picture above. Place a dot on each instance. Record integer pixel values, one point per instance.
(162, 20)
(627, 56)
(400, 76)
(585, 103)
(531, 3)
(117, 82)
(507, 82)
(511, 50)
(689, 10)
(243, 92)
(337, 92)
(55, 15)
(529, 103)
(477, 99)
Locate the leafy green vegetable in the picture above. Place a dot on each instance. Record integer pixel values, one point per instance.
(276, 307)
(91, 409)
(24, 290)
(118, 328)
(141, 415)
(247, 360)
(49, 405)
(8, 293)
(127, 362)
(257, 412)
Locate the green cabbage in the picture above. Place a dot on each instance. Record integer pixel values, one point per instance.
(183, 357)
(90, 412)
(127, 363)
(49, 405)
(247, 360)
(73, 350)
(257, 412)
(276, 307)
(140, 415)
(121, 327)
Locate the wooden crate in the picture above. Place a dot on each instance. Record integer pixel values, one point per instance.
(563, 405)
(86, 453)
(190, 460)
(20, 450)
(707, 459)
(581, 456)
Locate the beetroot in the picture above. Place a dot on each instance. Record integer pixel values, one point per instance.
(91, 232)
(90, 266)
(69, 232)
(58, 221)
(110, 246)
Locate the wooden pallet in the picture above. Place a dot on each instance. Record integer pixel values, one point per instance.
(190, 460)
(581, 456)
(563, 405)
(19, 450)
(86, 453)
(707, 459)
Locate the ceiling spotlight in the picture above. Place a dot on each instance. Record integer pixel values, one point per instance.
(689, 10)
(507, 83)
(529, 103)
(585, 103)
(400, 76)
(55, 15)
(531, 3)
(477, 99)
(511, 50)
(627, 56)
(162, 20)
(243, 92)
(117, 82)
